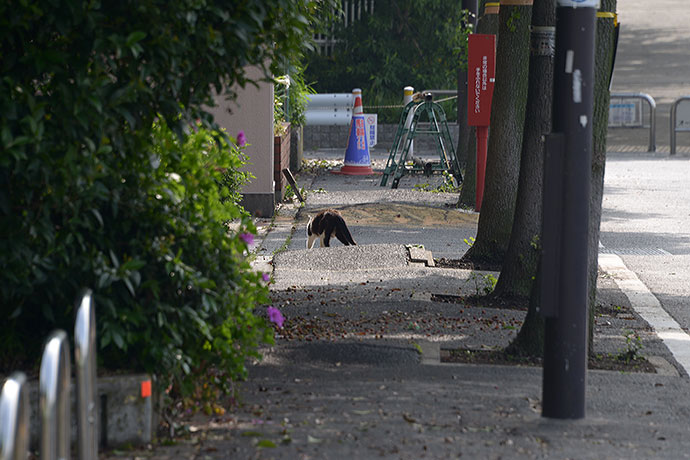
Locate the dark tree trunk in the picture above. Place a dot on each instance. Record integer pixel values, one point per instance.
(520, 264)
(602, 72)
(530, 339)
(505, 141)
(463, 129)
(487, 24)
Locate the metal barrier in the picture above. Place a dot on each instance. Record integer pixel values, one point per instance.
(14, 418)
(684, 121)
(54, 395)
(329, 109)
(85, 362)
(652, 114)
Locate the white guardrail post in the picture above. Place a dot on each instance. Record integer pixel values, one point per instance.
(85, 362)
(14, 418)
(652, 113)
(54, 398)
(682, 124)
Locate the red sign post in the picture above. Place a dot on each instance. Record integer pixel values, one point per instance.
(481, 71)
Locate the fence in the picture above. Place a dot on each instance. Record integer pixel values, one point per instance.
(352, 11)
(54, 395)
(625, 110)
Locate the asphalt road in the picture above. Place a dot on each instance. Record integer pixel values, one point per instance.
(646, 209)
(646, 221)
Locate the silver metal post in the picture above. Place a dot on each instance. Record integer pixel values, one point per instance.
(14, 418)
(674, 118)
(85, 362)
(54, 397)
(652, 114)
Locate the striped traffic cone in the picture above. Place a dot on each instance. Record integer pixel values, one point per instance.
(357, 159)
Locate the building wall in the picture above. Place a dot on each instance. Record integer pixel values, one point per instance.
(252, 112)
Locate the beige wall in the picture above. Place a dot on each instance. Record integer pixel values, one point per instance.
(252, 112)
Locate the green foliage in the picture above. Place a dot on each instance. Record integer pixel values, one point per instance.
(405, 42)
(633, 346)
(96, 190)
(447, 186)
(483, 284)
(292, 96)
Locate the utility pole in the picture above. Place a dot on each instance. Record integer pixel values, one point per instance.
(564, 293)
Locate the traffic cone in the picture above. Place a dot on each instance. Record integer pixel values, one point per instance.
(357, 159)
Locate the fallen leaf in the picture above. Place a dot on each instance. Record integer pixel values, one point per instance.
(266, 443)
(408, 418)
(313, 440)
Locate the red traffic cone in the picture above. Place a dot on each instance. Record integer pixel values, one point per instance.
(357, 159)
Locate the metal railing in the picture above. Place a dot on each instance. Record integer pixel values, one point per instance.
(14, 418)
(85, 362)
(652, 113)
(54, 395)
(674, 122)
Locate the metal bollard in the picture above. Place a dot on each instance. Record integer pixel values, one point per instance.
(54, 398)
(14, 418)
(85, 363)
(674, 124)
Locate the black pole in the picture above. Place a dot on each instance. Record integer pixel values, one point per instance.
(565, 346)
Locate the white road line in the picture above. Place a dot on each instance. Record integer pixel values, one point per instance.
(649, 308)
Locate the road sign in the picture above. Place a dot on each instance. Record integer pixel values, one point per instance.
(481, 72)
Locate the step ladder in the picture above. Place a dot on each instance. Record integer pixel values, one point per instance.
(426, 118)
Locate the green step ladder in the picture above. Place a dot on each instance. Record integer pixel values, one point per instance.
(427, 118)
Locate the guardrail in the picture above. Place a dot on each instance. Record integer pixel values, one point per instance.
(684, 122)
(14, 418)
(652, 114)
(329, 109)
(54, 395)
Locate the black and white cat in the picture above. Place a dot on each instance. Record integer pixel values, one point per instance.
(324, 225)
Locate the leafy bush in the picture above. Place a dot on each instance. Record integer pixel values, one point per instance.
(95, 190)
(404, 42)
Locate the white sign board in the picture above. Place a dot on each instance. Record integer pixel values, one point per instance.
(625, 113)
(683, 115)
(371, 120)
(579, 3)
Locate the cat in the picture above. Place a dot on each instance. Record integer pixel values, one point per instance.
(324, 225)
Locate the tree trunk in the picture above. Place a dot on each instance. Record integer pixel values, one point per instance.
(520, 264)
(505, 141)
(463, 128)
(487, 24)
(530, 339)
(602, 72)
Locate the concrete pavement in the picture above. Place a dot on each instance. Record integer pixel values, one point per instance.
(357, 371)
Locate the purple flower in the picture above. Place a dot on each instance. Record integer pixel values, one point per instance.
(266, 277)
(247, 238)
(275, 316)
(241, 139)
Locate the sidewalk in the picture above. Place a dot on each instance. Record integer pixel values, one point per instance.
(356, 372)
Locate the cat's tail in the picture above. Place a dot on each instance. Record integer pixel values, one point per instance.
(343, 233)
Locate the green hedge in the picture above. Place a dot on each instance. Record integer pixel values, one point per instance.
(405, 42)
(97, 191)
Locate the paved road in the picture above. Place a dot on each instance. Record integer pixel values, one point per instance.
(646, 214)
(646, 221)
(652, 58)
